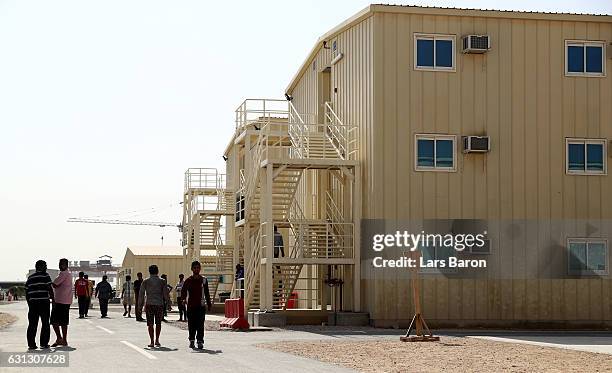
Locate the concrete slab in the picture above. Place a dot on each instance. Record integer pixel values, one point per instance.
(348, 318)
(269, 319)
(598, 344)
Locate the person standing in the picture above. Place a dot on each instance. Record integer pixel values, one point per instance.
(38, 292)
(137, 306)
(126, 295)
(196, 296)
(60, 312)
(89, 293)
(81, 288)
(279, 250)
(179, 300)
(156, 292)
(104, 292)
(168, 302)
(239, 276)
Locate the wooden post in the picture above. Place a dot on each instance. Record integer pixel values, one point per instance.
(418, 322)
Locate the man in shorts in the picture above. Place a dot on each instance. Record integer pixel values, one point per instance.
(155, 290)
(60, 313)
(126, 296)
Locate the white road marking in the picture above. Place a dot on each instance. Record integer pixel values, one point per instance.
(106, 330)
(140, 350)
(89, 321)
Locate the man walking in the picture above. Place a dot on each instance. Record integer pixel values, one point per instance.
(126, 296)
(60, 312)
(89, 293)
(81, 288)
(38, 292)
(156, 292)
(137, 306)
(104, 292)
(179, 300)
(196, 296)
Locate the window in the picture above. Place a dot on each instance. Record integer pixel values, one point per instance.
(435, 153)
(434, 52)
(586, 156)
(437, 253)
(587, 256)
(585, 58)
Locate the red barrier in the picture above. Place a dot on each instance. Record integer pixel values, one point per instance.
(293, 300)
(234, 314)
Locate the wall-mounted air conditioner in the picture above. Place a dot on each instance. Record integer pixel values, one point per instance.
(476, 43)
(476, 144)
(482, 250)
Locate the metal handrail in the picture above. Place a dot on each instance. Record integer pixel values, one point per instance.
(249, 111)
(252, 269)
(199, 178)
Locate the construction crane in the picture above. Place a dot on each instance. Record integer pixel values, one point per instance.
(127, 222)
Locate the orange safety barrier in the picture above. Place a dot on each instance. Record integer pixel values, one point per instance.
(234, 314)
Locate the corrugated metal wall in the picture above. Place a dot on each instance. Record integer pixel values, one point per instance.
(519, 96)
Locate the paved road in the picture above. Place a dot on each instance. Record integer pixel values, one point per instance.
(101, 345)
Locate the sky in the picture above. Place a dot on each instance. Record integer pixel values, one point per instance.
(104, 105)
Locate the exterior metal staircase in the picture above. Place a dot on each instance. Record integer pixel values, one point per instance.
(302, 138)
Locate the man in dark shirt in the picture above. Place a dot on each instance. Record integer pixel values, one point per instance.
(194, 292)
(38, 292)
(104, 292)
(279, 250)
(137, 285)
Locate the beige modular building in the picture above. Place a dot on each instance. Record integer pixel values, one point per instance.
(169, 260)
(434, 119)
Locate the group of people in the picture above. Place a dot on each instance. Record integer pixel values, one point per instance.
(151, 295)
(84, 290)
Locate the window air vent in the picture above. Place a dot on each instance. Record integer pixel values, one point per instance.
(476, 43)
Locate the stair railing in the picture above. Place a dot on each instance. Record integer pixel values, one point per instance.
(342, 136)
(252, 268)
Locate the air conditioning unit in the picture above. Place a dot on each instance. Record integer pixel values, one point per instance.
(476, 43)
(476, 144)
(482, 250)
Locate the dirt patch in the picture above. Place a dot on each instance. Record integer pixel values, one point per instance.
(6, 319)
(208, 325)
(451, 354)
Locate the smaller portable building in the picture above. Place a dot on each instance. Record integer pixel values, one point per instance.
(169, 259)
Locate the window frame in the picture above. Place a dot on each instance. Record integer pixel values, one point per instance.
(452, 38)
(587, 241)
(437, 270)
(585, 44)
(585, 142)
(434, 137)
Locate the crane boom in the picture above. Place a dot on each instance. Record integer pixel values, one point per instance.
(124, 222)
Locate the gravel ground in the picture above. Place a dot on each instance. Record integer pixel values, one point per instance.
(451, 354)
(6, 319)
(208, 325)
